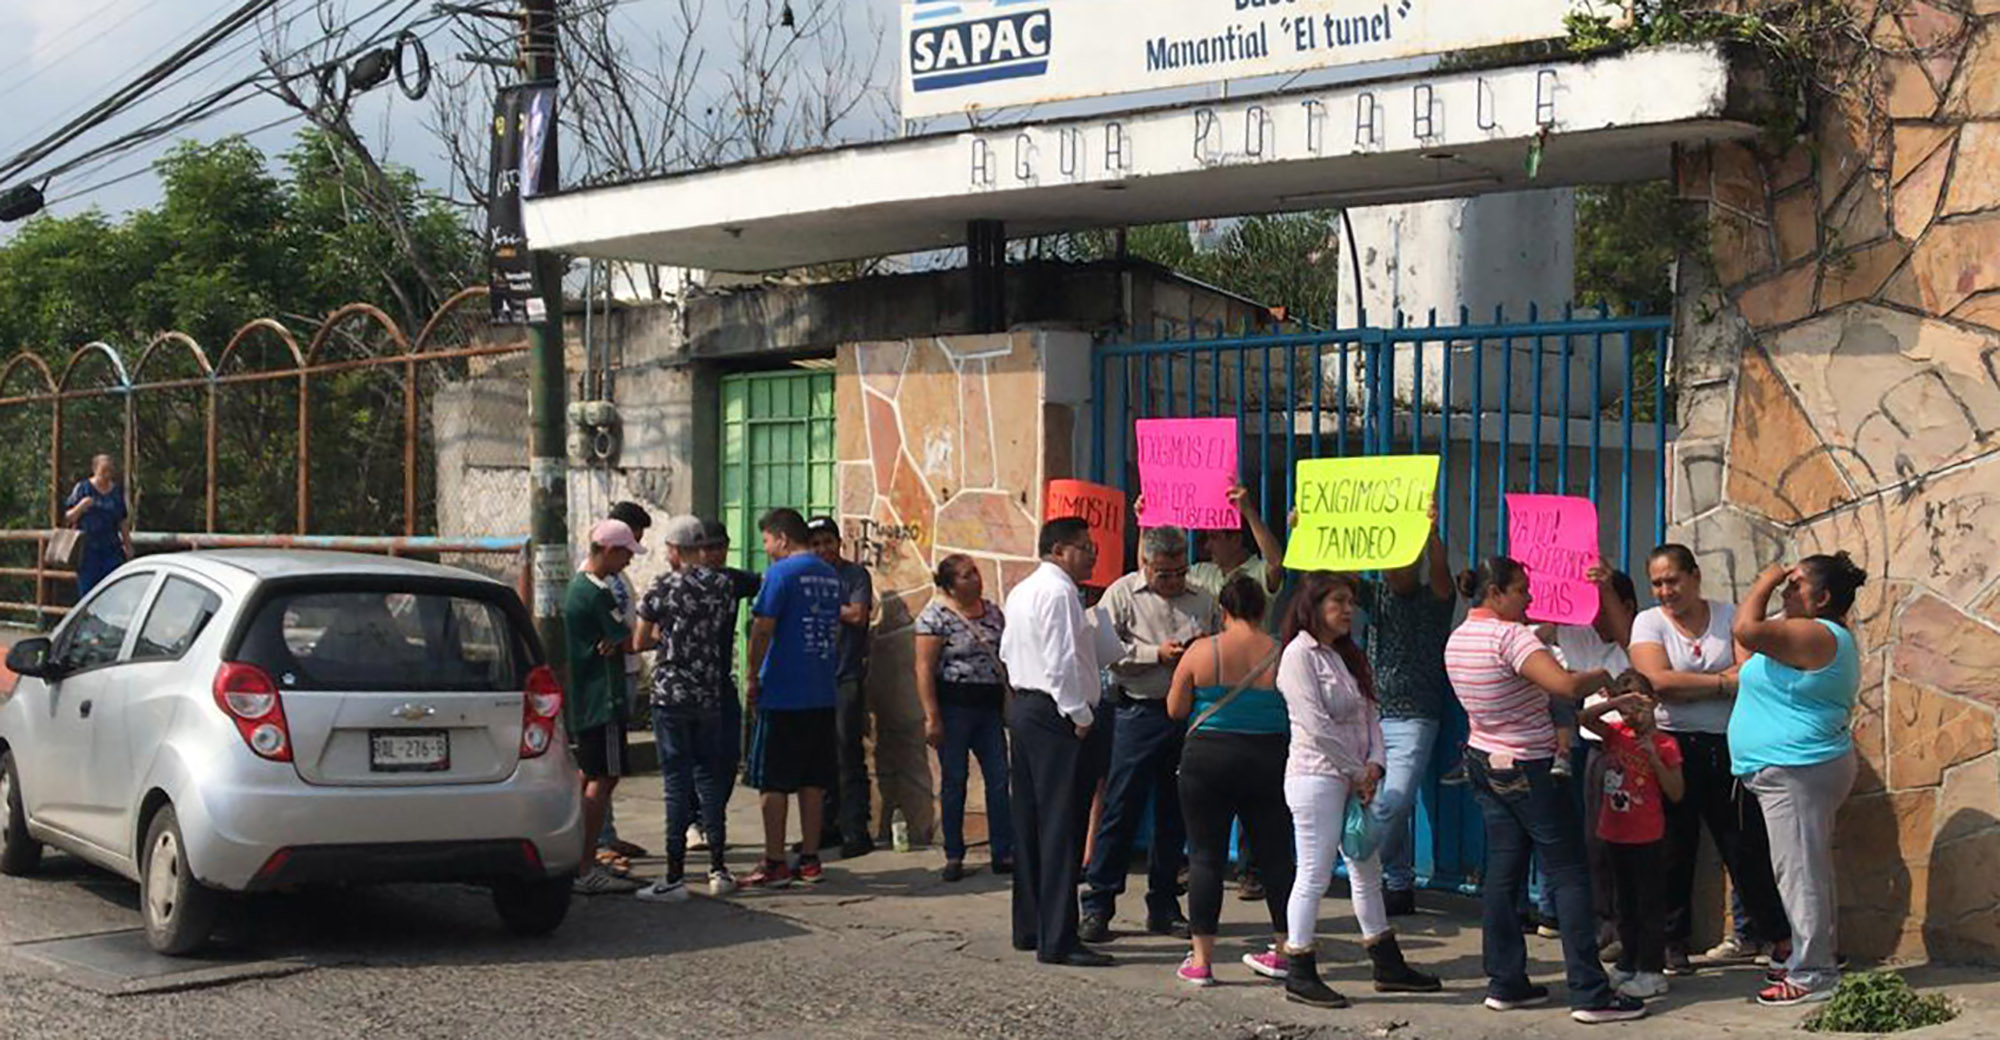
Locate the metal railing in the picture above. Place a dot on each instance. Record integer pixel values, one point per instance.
(1572, 406)
(223, 446)
(1576, 405)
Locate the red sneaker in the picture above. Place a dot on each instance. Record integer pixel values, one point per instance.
(769, 874)
(810, 872)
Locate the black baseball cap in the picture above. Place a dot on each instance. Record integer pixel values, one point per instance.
(715, 532)
(823, 525)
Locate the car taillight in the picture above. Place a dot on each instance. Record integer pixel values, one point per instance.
(247, 695)
(541, 705)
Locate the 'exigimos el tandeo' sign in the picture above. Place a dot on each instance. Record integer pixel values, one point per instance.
(1362, 514)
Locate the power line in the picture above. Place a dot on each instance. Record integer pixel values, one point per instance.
(152, 56)
(125, 96)
(214, 105)
(218, 101)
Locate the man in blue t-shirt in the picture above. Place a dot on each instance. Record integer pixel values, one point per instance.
(847, 802)
(790, 689)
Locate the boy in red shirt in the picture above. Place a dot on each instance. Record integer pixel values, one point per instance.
(1644, 768)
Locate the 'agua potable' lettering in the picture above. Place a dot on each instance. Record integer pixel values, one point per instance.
(1362, 514)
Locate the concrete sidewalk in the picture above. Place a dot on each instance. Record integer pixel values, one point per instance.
(900, 894)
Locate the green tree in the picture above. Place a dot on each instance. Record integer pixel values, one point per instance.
(1285, 260)
(232, 239)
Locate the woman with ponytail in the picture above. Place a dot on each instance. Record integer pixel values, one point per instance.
(1505, 678)
(1336, 752)
(1790, 741)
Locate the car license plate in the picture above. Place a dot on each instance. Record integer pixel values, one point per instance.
(409, 750)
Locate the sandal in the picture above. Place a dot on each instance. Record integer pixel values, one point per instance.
(1787, 993)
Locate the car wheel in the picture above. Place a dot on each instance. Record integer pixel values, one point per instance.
(19, 853)
(533, 907)
(180, 912)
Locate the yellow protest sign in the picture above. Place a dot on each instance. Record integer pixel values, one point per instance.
(1362, 514)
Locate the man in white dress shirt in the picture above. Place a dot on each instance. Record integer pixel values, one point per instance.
(1058, 751)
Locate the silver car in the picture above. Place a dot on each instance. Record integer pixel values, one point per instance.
(237, 721)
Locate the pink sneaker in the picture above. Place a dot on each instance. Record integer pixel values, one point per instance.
(1271, 964)
(1194, 974)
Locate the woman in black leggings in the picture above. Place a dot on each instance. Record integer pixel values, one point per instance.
(1233, 766)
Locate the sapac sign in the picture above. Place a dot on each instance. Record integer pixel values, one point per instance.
(960, 54)
(985, 54)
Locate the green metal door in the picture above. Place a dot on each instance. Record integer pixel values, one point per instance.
(777, 450)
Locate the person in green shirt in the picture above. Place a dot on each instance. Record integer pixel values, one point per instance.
(596, 641)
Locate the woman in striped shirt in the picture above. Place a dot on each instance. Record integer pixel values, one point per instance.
(1505, 678)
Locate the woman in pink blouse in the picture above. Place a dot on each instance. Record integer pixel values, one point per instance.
(1505, 678)
(1336, 752)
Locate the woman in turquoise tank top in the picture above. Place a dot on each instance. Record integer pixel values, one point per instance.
(1233, 766)
(1789, 739)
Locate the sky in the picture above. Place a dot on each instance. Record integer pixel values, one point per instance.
(59, 57)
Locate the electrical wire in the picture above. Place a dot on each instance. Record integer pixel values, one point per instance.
(132, 91)
(214, 105)
(220, 100)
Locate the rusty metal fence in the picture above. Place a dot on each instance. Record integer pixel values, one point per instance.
(322, 440)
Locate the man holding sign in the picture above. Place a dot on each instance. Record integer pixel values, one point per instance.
(1155, 615)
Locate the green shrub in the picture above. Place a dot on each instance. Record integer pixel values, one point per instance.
(1878, 1002)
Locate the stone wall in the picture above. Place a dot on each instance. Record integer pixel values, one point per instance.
(1839, 367)
(944, 444)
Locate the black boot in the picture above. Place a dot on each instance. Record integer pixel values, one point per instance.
(1393, 974)
(1302, 984)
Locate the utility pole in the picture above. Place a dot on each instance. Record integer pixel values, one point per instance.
(548, 381)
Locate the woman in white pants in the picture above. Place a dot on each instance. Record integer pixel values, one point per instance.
(1336, 750)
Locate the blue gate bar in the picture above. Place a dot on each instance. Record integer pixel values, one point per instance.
(1264, 453)
(1562, 461)
(1660, 344)
(1535, 456)
(1506, 439)
(1596, 416)
(1444, 438)
(1345, 360)
(1625, 471)
(1478, 441)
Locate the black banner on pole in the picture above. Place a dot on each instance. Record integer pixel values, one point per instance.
(524, 130)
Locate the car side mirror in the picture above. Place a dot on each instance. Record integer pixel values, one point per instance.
(33, 657)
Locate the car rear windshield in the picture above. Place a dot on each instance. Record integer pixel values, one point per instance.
(383, 639)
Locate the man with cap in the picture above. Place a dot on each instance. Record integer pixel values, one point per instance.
(595, 642)
(612, 850)
(687, 618)
(847, 804)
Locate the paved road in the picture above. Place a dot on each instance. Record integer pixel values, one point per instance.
(882, 949)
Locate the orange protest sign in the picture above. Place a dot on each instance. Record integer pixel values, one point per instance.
(1103, 508)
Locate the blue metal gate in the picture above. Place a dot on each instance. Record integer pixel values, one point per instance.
(1576, 405)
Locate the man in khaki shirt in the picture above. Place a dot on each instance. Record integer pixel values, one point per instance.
(1156, 617)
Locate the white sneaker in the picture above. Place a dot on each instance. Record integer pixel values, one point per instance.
(1645, 985)
(721, 883)
(697, 841)
(1731, 950)
(664, 891)
(1619, 977)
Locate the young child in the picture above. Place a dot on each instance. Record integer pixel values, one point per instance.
(1644, 767)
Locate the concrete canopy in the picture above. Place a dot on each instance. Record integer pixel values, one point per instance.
(1434, 135)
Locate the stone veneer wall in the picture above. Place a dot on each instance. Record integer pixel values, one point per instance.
(944, 445)
(1839, 368)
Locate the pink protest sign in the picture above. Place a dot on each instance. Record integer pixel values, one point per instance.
(1186, 468)
(1555, 537)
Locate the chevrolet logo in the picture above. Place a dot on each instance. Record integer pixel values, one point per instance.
(414, 712)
